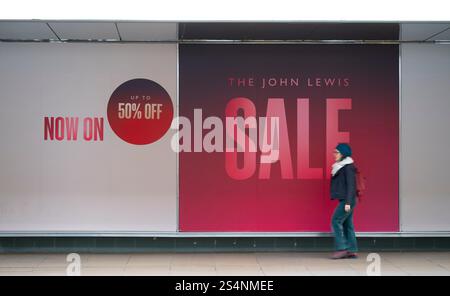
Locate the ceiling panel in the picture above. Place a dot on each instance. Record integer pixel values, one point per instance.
(25, 30)
(442, 36)
(420, 32)
(147, 31)
(85, 30)
(168, 31)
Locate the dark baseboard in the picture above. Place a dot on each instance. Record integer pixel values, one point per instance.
(212, 244)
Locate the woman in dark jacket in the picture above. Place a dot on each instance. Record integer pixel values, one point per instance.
(343, 188)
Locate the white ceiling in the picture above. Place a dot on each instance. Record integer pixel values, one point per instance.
(81, 30)
(147, 31)
(85, 30)
(158, 31)
(422, 32)
(442, 36)
(25, 30)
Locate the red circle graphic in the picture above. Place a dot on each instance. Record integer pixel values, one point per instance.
(140, 111)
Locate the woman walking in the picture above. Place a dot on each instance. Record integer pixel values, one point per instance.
(343, 188)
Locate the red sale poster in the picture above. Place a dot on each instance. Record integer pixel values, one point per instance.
(321, 95)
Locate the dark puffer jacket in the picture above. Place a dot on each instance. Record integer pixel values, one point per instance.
(343, 184)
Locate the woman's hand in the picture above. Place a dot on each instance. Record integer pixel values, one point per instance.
(347, 208)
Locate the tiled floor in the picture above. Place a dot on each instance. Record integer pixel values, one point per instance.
(424, 263)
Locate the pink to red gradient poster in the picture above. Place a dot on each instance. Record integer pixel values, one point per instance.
(322, 94)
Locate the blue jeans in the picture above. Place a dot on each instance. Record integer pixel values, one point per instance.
(344, 231)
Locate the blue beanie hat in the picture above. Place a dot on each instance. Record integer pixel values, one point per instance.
(344, 149)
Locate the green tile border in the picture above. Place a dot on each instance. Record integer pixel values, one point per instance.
(211, 244)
